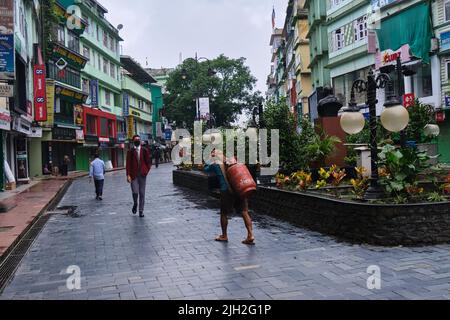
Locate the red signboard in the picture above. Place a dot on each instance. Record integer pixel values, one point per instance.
(40, 104)
(409, 100)
(440, 116)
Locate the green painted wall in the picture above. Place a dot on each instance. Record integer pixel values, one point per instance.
(82, 159)
(35, 155)
(158, 104)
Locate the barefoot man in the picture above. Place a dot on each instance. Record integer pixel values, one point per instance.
(228, 199)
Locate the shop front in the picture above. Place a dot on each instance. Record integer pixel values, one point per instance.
(100, 135)
(17, 146)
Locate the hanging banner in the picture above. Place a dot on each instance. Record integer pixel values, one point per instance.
(204, 108)
(78, 115)
(50, 93)
(40, 105)
(130, 127)
(126, 105)
(7, 54)
(94, 93)
(409, 100)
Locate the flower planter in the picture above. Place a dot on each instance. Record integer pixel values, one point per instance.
(356, 222)
(376, 224)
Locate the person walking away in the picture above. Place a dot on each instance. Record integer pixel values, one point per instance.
(157, 156)
(97, 172)
(65, 166)
(137, 168)
(229, 200)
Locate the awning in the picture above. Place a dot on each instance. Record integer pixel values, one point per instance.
(411, 26)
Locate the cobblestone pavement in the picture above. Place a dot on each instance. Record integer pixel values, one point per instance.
(170, 255)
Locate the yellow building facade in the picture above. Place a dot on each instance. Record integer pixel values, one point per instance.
(302, 57)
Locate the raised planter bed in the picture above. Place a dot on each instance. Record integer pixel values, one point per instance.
(196, 180)
(376, 224)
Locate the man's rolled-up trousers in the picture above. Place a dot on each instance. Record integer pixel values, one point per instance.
(138, 187)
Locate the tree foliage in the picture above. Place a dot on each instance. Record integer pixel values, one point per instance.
(230, 90)
(49, 22)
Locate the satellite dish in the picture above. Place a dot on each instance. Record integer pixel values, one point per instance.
(120, 27)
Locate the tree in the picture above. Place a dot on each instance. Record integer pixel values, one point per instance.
(278, 117)
(230, 90)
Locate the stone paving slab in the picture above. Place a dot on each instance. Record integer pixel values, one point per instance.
(171, 254)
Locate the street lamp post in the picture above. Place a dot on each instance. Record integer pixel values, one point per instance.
(211, 73)
(395, 118)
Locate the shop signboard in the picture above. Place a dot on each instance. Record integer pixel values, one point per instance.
(50, 93)
(6, 90)
(5, 119)
(40, 106)
(389, 57)
(447, 101)
(445, 41)
(80, 136)
(70, 58)
(7, 54)
(21, 125)
(378, 4)
(36, 132)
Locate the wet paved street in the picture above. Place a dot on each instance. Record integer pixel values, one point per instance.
(170, 255)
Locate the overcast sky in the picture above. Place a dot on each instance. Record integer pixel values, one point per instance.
(162, 29)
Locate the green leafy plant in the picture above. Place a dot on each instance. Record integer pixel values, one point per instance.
(436, 197)
(420, 116)
(278, 117)
(399, 170)
(322, 146)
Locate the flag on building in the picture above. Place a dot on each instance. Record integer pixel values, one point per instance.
(273, 18)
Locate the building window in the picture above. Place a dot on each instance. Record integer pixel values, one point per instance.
(447, 68)
(85, 86)
(107, 98)
(422, 81)
(73, 42)
(99, 61)
(360, 28)
(105, 66)
(111, 128)
(113, 70)
(87, 53)
(104, 130)
(68, 75)
(98, 32)
(61, 35)
(105, 39)
(338, 39)
(342, 86)
(447, 10)
(91, 125)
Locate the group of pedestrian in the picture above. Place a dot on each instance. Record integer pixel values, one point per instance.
(138, 166)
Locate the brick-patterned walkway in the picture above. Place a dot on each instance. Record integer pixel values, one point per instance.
(25, 207)
(170, 254)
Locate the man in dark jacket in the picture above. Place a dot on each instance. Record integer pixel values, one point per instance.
(139, 164)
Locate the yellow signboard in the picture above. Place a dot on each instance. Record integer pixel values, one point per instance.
(50, 91)
(130, 126)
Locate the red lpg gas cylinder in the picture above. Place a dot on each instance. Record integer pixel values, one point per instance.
(241, 180)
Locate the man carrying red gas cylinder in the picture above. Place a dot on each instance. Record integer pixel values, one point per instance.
(236, 186)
